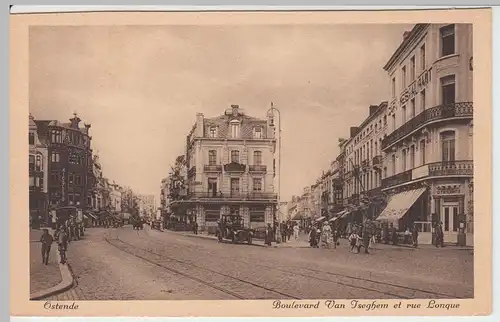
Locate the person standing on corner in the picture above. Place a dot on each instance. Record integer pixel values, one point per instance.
(296, 232)
(46, 239)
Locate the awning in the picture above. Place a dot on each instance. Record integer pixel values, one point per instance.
(333, 219)
(88, 214)
(319, 219)
(399, 204)
(298, 215)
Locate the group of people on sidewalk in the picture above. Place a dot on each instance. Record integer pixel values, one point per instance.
(281, 232)
(61, 236)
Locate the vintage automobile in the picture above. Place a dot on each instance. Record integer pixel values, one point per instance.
(231, 228)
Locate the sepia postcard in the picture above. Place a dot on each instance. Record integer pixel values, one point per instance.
(286, 163)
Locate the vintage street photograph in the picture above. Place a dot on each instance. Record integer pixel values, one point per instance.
(251, 162)
(271, 164)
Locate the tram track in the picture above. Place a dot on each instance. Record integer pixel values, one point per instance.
(390, 289)
(216, 280)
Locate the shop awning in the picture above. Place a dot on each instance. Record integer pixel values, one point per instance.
(333, 219)
(91, 215)
(319, 219)
(298, 215)
(399, 204)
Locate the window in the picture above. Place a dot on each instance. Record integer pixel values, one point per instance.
(447, 40)
(393, 164)
(403, 159)
(385, 119)
(55, 157)
(32, 181)
(78, 180)
(212, 157)
(56, 136)
(385, 172)
(393, 87)
(212, 132)
(403, 114)
(31, 138)
(212, 187)
(235, 129)
(70, 198)
(393, 122)
(448, 90)
(412, 157)
(376, 148)
(74, 158)
(257, 132)
(448, 146)
(413, 68)
(422, 57)
(422, 100)
(55, 177)
(412, 108)
(235, 156)
(257, 184)
(235, 186)
(77, 198)
(422, 152)
(32, 162)
(38, 165)
(71, 179)
(403, 77)
(257, 157)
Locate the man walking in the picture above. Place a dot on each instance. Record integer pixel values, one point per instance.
(46, 239)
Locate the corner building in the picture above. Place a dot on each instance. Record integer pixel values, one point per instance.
(428, 148)
(231, 169)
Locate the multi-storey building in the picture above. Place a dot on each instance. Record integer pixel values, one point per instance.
(147, 206)
(116, 197)
(231, 169)
(38, 175)
(363, 163)
(69, 162)
(428, 147)
(97, 191)
(335, 187)
(164, 195)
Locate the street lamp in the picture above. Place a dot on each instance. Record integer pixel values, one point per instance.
(270, 112)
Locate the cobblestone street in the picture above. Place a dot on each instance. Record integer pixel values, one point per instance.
(123, 264)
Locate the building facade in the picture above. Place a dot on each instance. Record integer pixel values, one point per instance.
(147, 206)
(363, 164)
(428, 148)
(70, 169)
(116, 197)
(230, 169)
(38, 175)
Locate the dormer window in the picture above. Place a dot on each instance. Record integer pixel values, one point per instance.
(235, 129)
(212, 132)
(257, 132)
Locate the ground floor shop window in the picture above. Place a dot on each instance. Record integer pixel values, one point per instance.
(257, 216)
(212, 215)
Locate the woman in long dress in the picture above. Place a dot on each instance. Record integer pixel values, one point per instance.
(326, 234)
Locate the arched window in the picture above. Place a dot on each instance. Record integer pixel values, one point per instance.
(235, 156)
(447, 146)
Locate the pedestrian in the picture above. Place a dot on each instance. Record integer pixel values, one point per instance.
(336, 235)
(195, 228)
(407, 235)
(296, 232)
(62, 243)
(46, 239)
(283, 231)
(439, 235)
(353, 240)
(313, 235)
(394, 235)
(269, 234)
(326, 235)
(366, 239)
(415, 235)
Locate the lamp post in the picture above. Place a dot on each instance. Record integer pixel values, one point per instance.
(271, 112)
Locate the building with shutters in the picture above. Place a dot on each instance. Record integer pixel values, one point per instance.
(428, 148)
(230, 161)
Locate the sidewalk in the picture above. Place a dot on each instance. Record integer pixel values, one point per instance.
(423, 246)
(46, 280)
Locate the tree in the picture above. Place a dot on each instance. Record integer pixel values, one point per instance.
(176, 179)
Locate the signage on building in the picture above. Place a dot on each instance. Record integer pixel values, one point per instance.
(63, 183)
(416, 86)
(448, 189)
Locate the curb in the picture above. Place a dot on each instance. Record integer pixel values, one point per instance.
(68, 281)
(214, 238)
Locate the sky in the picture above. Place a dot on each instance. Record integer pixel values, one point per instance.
(140, 88)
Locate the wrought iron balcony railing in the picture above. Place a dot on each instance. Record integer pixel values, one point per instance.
(235, 167)
(448, 168)
(377, 162)
(399, 178)
(233, 195)
(213, 168)
(441, 112)
(257, 168)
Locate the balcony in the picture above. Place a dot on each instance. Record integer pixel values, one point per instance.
(266, 196)
(257, 168)
(235, 167)
(437, 113)
(451, 168)
(365, 164)
(399, 178)
(377, 162)
(213, 168)
(353, 199)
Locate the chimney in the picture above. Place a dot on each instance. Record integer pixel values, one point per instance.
(199, 125)
(354, 130)
(373, 109)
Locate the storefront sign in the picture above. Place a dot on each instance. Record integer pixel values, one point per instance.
(416, 86)
(63, 183)
(448, 189)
